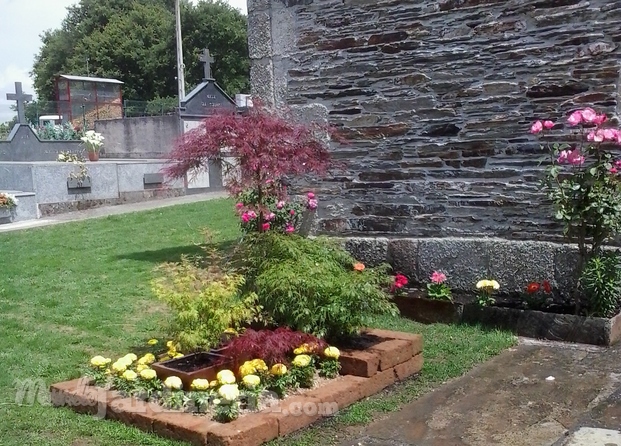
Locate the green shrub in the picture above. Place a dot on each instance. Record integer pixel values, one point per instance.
(601, 283)
(203, 302)
(310, 284)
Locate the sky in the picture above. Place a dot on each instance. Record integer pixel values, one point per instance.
(21, 24)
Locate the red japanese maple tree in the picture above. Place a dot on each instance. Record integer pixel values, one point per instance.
(265, 145)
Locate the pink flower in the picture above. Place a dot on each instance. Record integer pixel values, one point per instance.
(596, 136)
(289, 229)
(291, 212)
(610, 134)
(536, 127)
(271, 216)
(245, 217)
(310, 195)
(265, 227)
(548, 125)
(280, 204)
(575, 158)
(438, 277)
(613, 170)
(575, 118)
(588, 115)
(600, 119)
(618, 164)
(239, 205)
(252, 215)
(563, 157)
(312, 204)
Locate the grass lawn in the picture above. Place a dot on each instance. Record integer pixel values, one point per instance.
(75, 290)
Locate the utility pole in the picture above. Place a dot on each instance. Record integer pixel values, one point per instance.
(180, 67)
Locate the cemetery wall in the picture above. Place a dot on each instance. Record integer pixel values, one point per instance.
(24, 145)
(139, 138)
(436, 98)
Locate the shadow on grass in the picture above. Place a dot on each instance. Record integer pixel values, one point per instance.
(174, 254)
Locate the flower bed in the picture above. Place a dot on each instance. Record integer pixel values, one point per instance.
(381, 359)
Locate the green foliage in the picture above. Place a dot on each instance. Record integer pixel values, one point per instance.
(439, 291)
(303, 377)
(65, 132)
(329, 368)
(203, 302)
(160, 106)
(173, 399)
(135, 42)
(226, 411)
(310, 285)
(601, 282)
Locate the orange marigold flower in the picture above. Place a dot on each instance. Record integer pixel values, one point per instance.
(532, 288)
(547, 288)
(359, 266)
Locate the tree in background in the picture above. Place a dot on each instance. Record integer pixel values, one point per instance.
(134, 41)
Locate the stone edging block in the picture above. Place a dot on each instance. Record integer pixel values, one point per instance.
(399, 356)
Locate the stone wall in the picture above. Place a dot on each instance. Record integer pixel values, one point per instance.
(436, 98)
(24, 144)
(139, 138)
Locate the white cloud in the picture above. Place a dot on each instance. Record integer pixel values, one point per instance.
(20, 30)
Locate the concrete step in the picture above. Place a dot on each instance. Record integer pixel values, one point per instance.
(26, 209)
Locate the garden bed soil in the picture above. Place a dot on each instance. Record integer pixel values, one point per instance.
(395, 357)
(556, 323)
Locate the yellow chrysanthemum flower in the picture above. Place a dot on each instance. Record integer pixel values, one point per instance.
(131, 356)
(125, 361)
(259, 365)
(173, 382)
(225, 377)
(147, 359)
(278, 369)
(148, 374)
(332, 352)
(230, 331)
(251, 381)
(119, 367)
(488, 284)
(214, 383)
(303, 349)
(229, 392)
(301, 361)
(141, 367)
(129, 375)
(100, 361)
(177, 355)
(152, 342)
(200, 384)
(247, 369)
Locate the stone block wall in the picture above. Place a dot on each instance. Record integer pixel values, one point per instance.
(436, 98)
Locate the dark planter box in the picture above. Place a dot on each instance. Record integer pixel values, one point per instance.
(74, 183)
(175, 367)
(542, 325)
(429, 311)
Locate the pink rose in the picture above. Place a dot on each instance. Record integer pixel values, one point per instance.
(289, 229)
(245, 217)
(613, 170)
(575, 118)
(575, 158)
(600, 119)
(252, 215)
(271, 216)
(597, 136)
(291, 212)
(588, 115)
(610, 134)
(310, 195)
(618, 164)
(312, 204)
(265, 227)
(280, 204)
(563, 157)
(536, 127)
(548, 125)
(239, 205)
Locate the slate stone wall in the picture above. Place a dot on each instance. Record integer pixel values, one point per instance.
(436, 98)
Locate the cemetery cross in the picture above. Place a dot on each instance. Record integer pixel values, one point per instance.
(21, 99)
(207, 60)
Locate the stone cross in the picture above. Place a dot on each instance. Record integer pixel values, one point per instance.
(207, 60)
(21, 99)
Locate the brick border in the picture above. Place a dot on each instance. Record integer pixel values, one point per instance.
(365, 372)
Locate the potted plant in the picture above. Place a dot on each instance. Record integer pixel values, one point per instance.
(8, 203)
(93, 142)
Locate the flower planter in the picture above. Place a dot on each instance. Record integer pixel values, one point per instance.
(543, 325)
(76, 183)
(93, 156)
(429, 311)
(203, 365)
(390, 357)
(6, 215)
